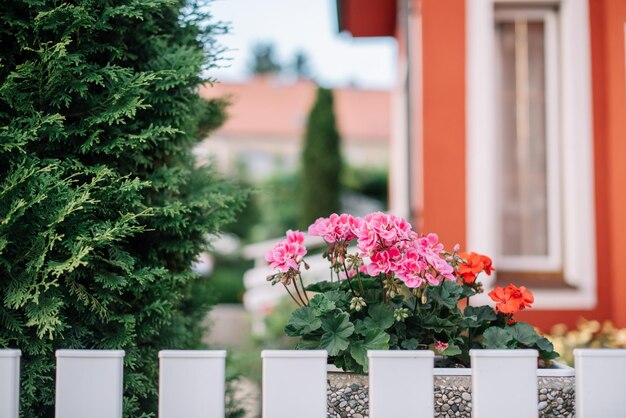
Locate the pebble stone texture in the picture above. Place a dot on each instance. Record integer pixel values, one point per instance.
(347, 396)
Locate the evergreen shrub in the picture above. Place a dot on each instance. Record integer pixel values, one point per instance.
(321, 162)
(102, 210)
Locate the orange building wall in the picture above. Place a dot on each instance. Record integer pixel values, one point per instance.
(443, 158)
(444, 144)
(607, 18)
(614, 74)
(443, 63)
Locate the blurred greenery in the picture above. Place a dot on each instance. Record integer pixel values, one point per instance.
(277, 206)
(225, 283)
(370, 182)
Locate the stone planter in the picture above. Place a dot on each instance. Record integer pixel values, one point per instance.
(348, 397)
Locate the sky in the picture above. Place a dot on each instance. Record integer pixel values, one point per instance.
(335, 59)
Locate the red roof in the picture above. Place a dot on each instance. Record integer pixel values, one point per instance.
(269, 107)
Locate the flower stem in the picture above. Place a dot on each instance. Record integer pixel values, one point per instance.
(290, 294)
(469, 330)
(295, 285)
(303, 290)
(345, 269)
(351, 288)
(383, 277)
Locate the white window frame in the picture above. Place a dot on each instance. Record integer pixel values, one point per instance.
(576, 150)
(552, 262)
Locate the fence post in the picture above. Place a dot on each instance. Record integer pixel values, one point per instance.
(504, 383)
(10, 383)
(89, 383)
(395, 375)
(191, 383)
(600, 382)
(294, 383)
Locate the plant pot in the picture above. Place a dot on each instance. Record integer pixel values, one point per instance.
(348, 397)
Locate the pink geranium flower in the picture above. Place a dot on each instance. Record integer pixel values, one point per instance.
(422, 262)
(336, 228)
(385, 261)
(288, 253)
(379, 231)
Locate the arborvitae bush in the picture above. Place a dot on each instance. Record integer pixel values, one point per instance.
(102, 210)
(321, 162)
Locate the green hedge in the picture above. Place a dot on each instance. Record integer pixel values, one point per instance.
(102, 210)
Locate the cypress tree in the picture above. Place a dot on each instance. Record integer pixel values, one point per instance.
(102, 210)
(321, 162)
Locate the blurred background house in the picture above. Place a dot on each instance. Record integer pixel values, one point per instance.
(267, 116)
(509, 138)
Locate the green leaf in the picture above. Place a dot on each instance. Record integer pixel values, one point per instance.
(544, 344)
(393, 342)
(346, 362)
(321, 304)
(338, 328)
(302, 321)
(360, 327)
(546, 349)
(437, 324)
(379, 316)
(410, 344)
(338, 297)
(496, 338)
(370, 283)
(482, 314)
(448, 294)
(323, 286)
(305, 344)
(523, 333)
(374, 340)
(452, 350)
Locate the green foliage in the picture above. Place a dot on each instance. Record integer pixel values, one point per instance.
(102, 210)
(277, 208)
(226, 281)
(371, 182)
(263, 60)
(321, 162)
(328, 322)
(273, 210)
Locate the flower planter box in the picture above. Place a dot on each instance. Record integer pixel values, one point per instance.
(348, 397)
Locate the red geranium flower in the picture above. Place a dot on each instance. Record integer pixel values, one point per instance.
(511, 299)
(474, 265)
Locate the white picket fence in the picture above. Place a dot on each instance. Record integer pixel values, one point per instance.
(191, 384)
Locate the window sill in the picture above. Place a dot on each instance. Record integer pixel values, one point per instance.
(534, 279)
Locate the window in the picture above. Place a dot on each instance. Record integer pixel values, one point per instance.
(530, 197)
(527, 141)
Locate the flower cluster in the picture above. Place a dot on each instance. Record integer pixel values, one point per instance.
(392, 288)
(336, 228)
(511, 299)
(287, 255)
(388, 246)
(473, 265)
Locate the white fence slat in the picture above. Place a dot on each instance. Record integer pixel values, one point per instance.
(504, 383)
(9, 383)
(600, 382)
(397, 375)
(191, 383)
(89, 383)
(294, 383)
